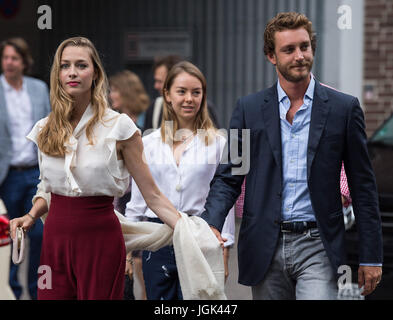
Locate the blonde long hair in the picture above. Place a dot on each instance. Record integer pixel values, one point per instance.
(58, 128)
(202, 118)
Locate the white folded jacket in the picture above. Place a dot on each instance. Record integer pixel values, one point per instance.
(199, 256)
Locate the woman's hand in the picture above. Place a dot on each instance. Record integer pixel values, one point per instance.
(129, 265)
(25, 222)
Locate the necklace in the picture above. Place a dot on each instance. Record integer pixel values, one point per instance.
(184, 139)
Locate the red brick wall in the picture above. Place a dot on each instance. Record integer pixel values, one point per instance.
(378, 62)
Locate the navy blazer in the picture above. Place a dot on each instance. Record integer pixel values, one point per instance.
(336, 134)
(39, 99)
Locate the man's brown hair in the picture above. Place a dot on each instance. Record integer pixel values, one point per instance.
(167, 61)
(284, 21)
(22, 48)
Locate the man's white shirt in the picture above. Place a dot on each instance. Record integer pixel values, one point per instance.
(20, 116)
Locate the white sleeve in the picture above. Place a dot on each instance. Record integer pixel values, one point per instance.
(228, 230)
(44, 195)
(136, 207)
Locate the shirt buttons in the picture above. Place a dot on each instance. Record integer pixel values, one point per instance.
(178, 187)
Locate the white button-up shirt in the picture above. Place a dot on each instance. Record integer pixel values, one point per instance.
(186, 185)
(20, 116)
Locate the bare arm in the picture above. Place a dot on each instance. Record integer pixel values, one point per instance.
(132, 152)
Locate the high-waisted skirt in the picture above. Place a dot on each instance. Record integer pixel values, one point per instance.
(83, 252)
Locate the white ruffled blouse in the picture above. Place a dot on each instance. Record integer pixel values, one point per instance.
(87, 170)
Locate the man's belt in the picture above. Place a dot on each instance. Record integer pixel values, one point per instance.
(23, 168)
(297, 226)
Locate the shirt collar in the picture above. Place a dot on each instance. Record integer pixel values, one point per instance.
(87, 115)
(309, 92)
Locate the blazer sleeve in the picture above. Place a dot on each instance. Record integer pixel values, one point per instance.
(361, 181)
(226, 184)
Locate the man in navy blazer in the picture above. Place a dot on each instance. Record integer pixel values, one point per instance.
(23, 101)
(291, 240)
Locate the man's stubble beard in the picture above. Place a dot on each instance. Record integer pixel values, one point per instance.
(291, 78)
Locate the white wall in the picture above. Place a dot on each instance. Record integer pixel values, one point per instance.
(342, 65)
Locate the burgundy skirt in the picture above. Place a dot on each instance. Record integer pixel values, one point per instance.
(83, 252)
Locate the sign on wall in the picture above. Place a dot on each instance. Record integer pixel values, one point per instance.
(149, 44)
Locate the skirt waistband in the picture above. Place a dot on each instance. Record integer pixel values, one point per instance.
(65, 205)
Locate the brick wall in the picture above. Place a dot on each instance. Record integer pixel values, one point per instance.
(378, 63)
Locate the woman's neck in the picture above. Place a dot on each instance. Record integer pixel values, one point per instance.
(190, 125)
(79, 108)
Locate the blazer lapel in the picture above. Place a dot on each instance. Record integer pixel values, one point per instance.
(319, 113)
(271, 116)
(34, 100)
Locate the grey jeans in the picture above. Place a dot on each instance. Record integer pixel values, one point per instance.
(300, 269)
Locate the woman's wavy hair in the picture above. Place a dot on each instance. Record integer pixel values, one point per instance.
(202, 118)
(58, 129)
(132, 91)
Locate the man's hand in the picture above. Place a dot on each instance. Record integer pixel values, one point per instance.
(369, 277)
(218, 235)
(225, 250)
(226, 262)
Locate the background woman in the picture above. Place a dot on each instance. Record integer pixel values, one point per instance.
(128, 95)
(182, 156)
(86, 153)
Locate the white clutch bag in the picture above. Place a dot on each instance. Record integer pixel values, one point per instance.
(18, 248)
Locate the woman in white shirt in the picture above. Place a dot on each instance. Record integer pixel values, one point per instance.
(182, 156)
(86, 154)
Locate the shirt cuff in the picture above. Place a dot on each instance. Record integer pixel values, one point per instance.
(230, 240)
(371, 264)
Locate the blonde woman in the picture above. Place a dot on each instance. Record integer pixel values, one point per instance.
(183, 156)
(86, 154)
